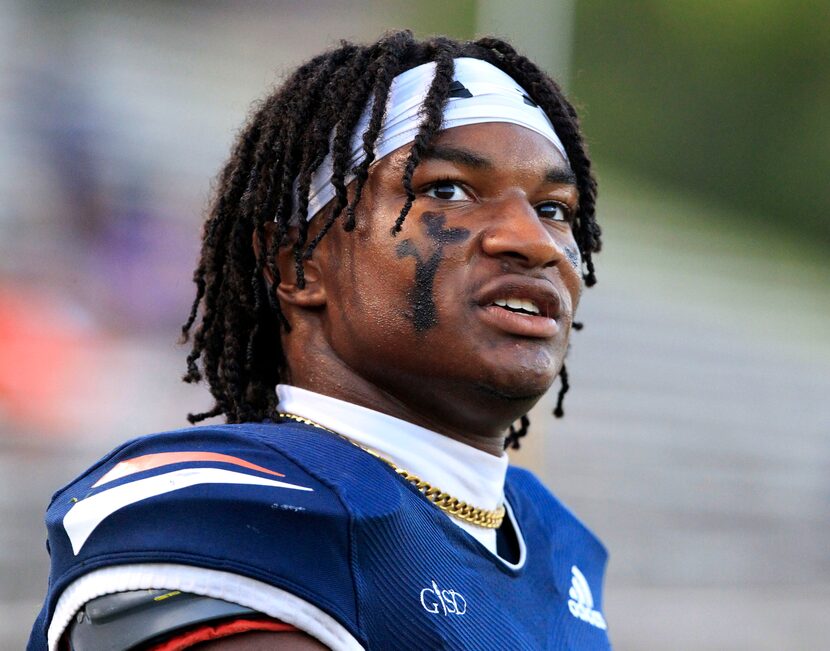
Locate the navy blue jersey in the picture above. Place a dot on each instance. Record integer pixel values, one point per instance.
(311, 513)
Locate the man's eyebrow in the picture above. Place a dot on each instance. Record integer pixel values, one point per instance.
(561, 175)
(557, 175)
(461, 156)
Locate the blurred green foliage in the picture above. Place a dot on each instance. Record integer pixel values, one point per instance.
(725, 100)
(434, 17)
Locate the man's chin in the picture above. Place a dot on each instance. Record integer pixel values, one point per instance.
(514, 392)
(526, 382)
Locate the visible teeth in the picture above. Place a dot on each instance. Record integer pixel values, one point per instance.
(530, 306)
(517, 304)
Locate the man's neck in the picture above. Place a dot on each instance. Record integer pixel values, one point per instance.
(425, 411)
(464, 412)
(462, 471)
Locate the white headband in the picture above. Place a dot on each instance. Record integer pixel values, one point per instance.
(481, 93)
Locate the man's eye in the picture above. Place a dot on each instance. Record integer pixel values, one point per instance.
(447, 191)
(553, 211)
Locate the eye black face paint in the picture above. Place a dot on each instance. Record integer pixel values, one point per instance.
(423, 313)
(573, 256)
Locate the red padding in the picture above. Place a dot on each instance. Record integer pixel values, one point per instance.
(225, 629)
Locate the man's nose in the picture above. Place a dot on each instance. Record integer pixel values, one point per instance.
(515, 231)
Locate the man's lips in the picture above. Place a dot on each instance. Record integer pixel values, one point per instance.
(521, 306)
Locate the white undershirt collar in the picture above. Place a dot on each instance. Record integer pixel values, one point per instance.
(463, 471)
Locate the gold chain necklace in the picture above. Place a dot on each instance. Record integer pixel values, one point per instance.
(490, 519)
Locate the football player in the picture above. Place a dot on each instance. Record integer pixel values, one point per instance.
(388, 280)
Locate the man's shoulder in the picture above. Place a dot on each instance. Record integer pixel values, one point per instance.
(526, 486)
(214, 438)
(536, 506)
(181, 489)
(229, 492)
(244, 499)
(261, 450)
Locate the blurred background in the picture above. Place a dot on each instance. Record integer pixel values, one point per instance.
(696, 437)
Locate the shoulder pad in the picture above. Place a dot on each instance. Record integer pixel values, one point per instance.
(126, 619)
(235, 498)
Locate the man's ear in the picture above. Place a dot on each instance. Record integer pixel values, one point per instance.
(313, 292)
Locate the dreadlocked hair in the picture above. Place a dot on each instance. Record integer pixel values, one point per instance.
(235, 321)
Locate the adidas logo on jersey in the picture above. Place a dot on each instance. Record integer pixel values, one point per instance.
(581, 602)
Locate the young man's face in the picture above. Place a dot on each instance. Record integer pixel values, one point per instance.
(474, 298)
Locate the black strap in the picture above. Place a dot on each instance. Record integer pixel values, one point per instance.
(124, 620)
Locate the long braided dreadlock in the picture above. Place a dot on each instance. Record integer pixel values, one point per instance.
(314, 113)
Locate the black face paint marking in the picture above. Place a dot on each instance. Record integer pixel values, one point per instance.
(424, 314)
(573, 256)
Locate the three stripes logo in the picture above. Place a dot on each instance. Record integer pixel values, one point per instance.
(84, 516)
(581, 602)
